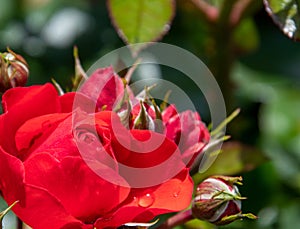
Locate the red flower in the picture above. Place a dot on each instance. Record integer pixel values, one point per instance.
(187, 130)
(79, 167)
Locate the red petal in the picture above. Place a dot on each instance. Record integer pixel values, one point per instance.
(171, 196)
(57, 138)
(43, 210)
(189, 133)
(11, 178)
(21, 104)
(66, 102)
(36, 130)
(83, 193)
(143, 148)
(103, 87)
(36, 206)
(71, 101)
(143, 153)
(169, 112)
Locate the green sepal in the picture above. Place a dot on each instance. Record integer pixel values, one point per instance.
(142, 121)
(229, 219)
(79, 72)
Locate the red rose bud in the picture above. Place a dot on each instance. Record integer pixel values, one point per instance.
(13, 70)
(218, 200)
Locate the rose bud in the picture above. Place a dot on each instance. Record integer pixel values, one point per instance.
(218, 200)
(143, 121)
(13, 70)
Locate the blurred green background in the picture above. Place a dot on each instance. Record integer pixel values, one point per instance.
(264, 81)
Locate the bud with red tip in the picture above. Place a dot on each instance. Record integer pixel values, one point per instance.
(13, 70)
(218, 200)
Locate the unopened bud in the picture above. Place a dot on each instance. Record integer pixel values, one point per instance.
(143, 121)
(13, 70)
(218, 200)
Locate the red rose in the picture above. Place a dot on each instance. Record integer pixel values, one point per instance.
(51, 155)
(187, 130)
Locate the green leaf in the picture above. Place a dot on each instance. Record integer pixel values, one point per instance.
(234, 158)
(141, 20)
(285, 13)
(280, 127)
(279, 121)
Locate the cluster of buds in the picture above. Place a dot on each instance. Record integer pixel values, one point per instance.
(13, 70)
(141, 112)
(218, 200)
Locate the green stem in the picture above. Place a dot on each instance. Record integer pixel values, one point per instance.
(222, 61)
(224, 56)
(178, 219)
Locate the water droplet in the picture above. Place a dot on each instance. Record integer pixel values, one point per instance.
(146, 200)
(135, 200)
(176, 193)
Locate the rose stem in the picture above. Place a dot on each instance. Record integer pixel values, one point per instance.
(178, 219)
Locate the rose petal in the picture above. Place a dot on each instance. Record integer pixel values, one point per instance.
(103, 87)
(189, 133)
(36, 130)
(11, 178)
(142, 205)
(33, 201)
(84, 194)
(169, 112)
(72, 101)
(60, 142)
(143, 148)
(30, 96)
(66, 102)
(21, 104)
(43, 210)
